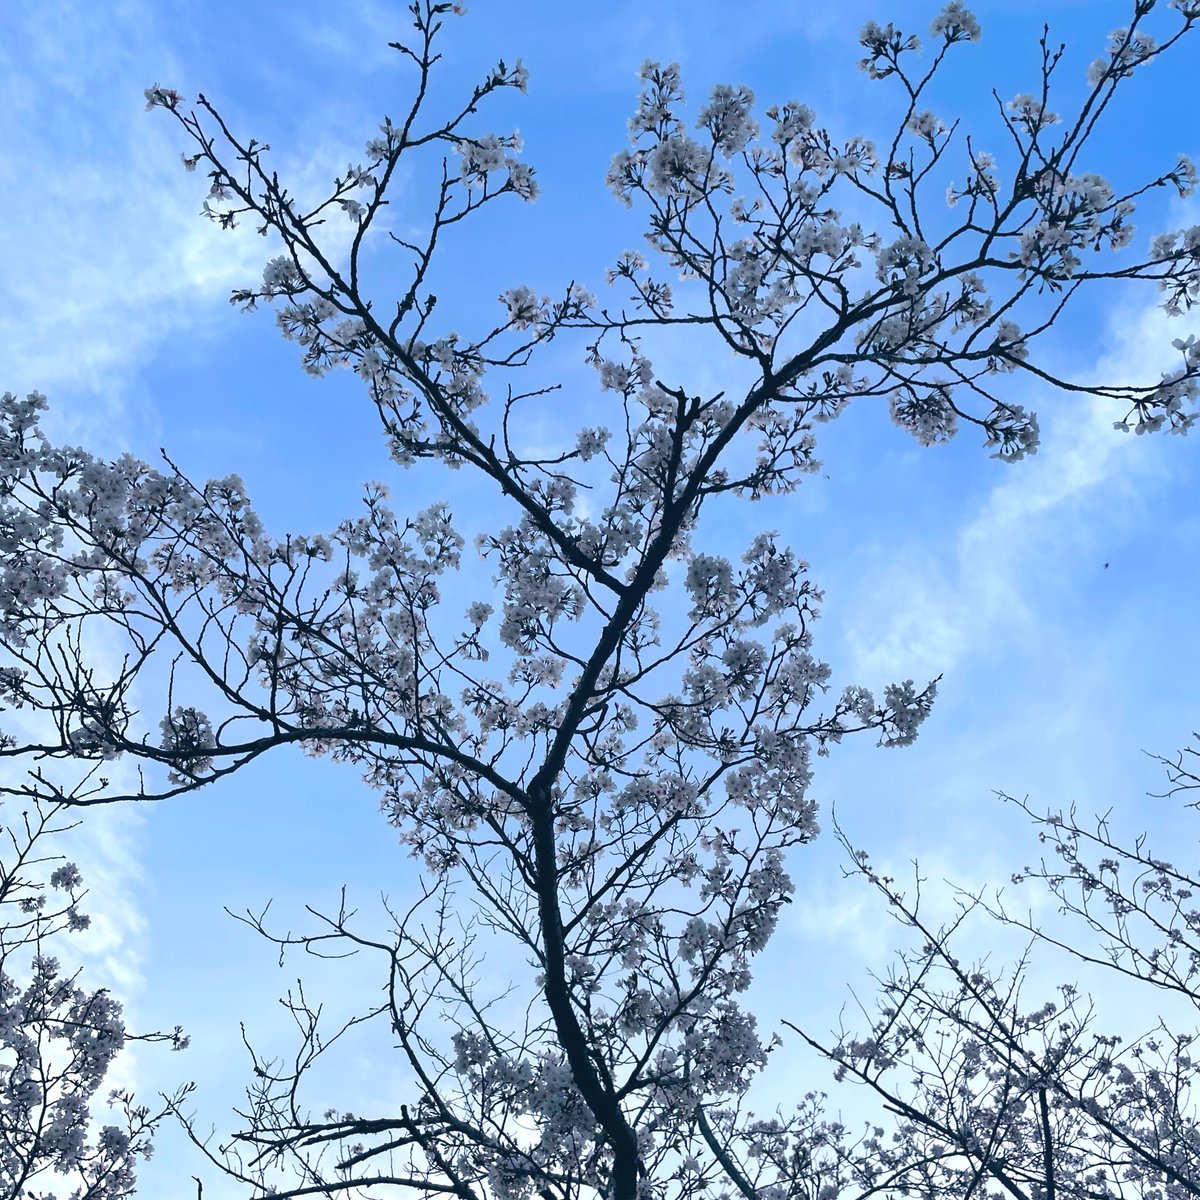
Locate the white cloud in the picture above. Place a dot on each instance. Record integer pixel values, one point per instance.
(101, 242)
(934, 600)
(104, 248)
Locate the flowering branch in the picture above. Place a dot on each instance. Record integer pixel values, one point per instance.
(619, 799)
(58, 1040)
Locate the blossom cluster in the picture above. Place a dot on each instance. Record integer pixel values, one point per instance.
(57, 1039)
(616, 752)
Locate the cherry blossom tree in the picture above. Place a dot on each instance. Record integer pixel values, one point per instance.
(607, 771)
(57, 1040)
(1032, 1098)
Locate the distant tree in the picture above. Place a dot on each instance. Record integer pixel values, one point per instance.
(997, 1095)
(57, 1040)
(617, 793)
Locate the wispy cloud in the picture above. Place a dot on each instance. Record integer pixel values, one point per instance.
(104, 241)
(104, 251)
(934, 600)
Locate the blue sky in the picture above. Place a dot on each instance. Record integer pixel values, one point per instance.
(1057, 670)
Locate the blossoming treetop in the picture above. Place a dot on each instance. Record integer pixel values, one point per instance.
(621, 785)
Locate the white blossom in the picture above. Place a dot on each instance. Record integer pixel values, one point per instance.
(925, 124)
(524, 308)
(281, 276)
(1031, 113)
(956, 23)
(727, 118)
